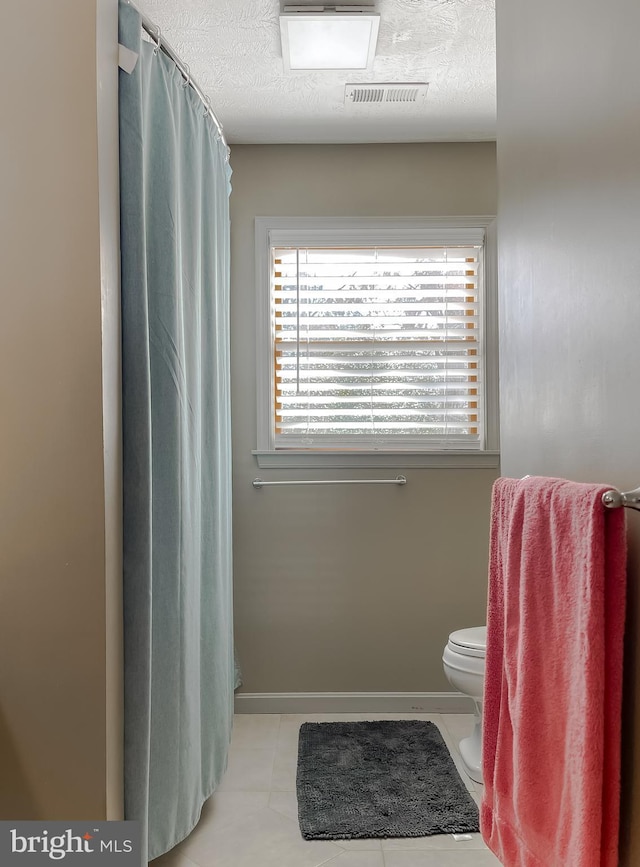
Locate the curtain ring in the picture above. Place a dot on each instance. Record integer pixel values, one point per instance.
(187, 70)
(158, 38)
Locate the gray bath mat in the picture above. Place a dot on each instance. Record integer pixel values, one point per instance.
(386, 778)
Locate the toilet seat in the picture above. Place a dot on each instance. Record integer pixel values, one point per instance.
(469, 642)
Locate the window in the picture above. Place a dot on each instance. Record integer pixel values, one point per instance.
(373, 339)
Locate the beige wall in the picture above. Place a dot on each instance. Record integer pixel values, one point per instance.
(568, 229)
(350, 589)
(52, 509)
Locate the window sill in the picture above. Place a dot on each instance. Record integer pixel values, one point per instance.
(299, 459)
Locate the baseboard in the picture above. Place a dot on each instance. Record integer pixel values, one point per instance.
(352, 702)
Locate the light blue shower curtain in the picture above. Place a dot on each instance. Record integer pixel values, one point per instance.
(179, 665)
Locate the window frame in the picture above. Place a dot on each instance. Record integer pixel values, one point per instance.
(354, 231)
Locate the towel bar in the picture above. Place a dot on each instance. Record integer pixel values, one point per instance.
(399, 480)
(615, 499)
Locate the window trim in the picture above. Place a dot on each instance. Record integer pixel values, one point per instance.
(314, 231)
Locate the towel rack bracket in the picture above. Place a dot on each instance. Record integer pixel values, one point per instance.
(616, 499)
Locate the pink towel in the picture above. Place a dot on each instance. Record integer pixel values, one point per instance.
(553, 682)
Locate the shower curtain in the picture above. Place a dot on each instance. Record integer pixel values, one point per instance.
(179, 663)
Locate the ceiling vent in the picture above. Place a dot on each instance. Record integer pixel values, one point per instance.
(410, 93)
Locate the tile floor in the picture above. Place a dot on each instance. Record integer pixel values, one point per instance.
(251, 821)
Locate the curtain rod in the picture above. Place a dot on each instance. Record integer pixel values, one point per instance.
(155, 34)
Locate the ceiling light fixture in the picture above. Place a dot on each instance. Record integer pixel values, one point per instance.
(328, 37)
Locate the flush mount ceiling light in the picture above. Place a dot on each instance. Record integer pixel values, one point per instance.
(328, 37)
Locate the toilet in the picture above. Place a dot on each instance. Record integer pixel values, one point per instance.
(463, 661)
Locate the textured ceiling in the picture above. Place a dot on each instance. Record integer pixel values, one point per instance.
(233, 50)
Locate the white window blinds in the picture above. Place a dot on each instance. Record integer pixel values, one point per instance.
(377, 347)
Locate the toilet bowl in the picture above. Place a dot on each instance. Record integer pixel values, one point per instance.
(463, 661)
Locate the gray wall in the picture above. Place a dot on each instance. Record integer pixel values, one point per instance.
(568, 230)
(59, 688)
(350, 588)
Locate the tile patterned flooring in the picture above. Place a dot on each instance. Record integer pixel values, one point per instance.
(251, 821)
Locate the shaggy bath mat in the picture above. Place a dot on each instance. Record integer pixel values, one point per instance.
(385, 778)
